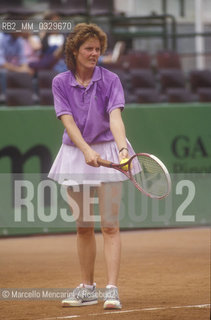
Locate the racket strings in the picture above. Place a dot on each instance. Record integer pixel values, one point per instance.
(150, 177)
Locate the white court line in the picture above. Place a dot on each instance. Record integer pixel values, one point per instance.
(129, 311)
(152, 309)
(195, 306)
(65, 317)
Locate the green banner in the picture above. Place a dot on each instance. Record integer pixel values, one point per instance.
(30, 138)
(179, 135)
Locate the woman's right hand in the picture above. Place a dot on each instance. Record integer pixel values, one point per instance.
(91, 157)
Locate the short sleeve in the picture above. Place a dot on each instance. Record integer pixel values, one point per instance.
(116, 97)
(61, 104)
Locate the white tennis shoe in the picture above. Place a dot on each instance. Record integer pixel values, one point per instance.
(81, 296)
(112, 298)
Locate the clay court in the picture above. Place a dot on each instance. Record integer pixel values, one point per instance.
(165, 274)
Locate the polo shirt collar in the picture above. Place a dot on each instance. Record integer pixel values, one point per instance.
(95, 77)
(97, 74)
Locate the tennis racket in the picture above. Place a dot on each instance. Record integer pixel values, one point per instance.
(148, 174)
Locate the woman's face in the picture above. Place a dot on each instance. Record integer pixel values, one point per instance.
(88, 54)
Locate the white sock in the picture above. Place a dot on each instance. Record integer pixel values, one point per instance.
(109, 286)
(89, 286)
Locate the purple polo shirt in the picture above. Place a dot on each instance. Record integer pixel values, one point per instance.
(90, 106)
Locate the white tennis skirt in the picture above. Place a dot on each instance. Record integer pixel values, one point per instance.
(70, 168)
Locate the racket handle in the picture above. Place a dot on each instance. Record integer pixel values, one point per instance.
(104, 163)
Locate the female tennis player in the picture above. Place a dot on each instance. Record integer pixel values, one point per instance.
(89, 99)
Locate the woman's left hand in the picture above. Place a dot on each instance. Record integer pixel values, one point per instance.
(123, 155)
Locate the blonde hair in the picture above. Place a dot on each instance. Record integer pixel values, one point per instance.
(78, 36)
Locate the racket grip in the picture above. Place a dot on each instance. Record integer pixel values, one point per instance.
(104, 163)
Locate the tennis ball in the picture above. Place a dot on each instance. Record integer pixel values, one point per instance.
(124, 167)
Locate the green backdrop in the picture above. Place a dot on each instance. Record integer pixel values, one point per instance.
(179, 134)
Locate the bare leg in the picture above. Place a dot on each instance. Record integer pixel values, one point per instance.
(86, 244)
(109, 203)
